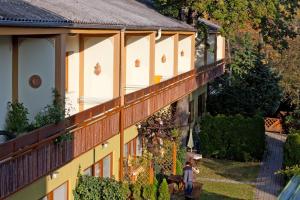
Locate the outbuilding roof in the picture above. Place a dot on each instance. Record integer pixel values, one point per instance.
(105, 14)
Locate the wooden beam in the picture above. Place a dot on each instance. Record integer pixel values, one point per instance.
(15, 70)
(117, 61)
(193, 51)
(31, 31)
(152, 59)
(175, 67)
(122, 94)
(81, 72)
(174, 158)
(60, 63)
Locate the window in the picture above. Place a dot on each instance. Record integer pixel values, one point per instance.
(60, 193)
(192, 111)
(102, 168)
(133, 148)
(201, 105)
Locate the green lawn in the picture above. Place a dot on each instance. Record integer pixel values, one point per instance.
(226, 191)
(229, 170)
(226, 170)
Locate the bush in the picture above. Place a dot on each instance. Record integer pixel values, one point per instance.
(90, 188)
(179, 168)
(289, 172)
(136, 191)
(292, 149)
(17, 121)
(149, 192)
(233, 137)
(164, 191)
(52, 114)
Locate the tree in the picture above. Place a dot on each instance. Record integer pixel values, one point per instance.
(270, 21)
(164, 191)
(254, 86)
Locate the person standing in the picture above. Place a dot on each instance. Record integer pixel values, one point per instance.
(188, 179)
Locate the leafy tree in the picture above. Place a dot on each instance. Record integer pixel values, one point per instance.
(270, 19)
(253, 87)
(17, 121)
(164, 191)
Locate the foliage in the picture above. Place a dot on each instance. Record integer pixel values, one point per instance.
(253, 87)
(16, 121)
(149, 192)
(271, 19)
(63, 138)
(164, 191)
(289, 172)
(287, 64)
(90, 188)
(136, 191)
(155, 186)
(52, 114)
(291, 154)
(179, 168)
(233, 137)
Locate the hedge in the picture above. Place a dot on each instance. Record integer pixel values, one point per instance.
(232, 137)
(292, 149)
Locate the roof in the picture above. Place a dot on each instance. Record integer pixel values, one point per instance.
(112, 14)
(211, 26)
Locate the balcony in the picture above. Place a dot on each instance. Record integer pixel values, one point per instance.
(34, 155)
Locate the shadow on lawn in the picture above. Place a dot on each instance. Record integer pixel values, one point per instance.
(214, 196)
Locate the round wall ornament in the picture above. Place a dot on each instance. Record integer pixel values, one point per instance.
(137, 63)
(163, 58)
(182, 53)
(35, 81)
(97, 69)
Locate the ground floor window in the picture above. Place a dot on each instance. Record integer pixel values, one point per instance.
(133, 148)
(102, 168)
(60, 193)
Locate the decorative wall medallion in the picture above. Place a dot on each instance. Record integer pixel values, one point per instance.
(163, 58)
(97, 69)
(137, 63)
(182, 53)
(35, 81)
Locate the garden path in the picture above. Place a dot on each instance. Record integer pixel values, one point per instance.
(270, 184)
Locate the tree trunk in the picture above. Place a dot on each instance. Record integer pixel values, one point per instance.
(181, 118)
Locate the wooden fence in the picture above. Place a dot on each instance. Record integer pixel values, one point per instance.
(34, 155)
(273, 125)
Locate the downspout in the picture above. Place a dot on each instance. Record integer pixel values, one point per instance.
(158, 36)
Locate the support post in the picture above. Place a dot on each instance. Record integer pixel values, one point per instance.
(60, 63)
(174, 158)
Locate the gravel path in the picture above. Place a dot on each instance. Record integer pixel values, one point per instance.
(269, 184)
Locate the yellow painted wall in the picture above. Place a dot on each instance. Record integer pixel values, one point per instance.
(184, 61)
(45, 185)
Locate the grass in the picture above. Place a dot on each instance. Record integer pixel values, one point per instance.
(224, 169)
(228, 170)
(226, 191)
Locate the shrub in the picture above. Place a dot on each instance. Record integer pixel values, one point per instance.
(90, 188)
(52, 114)
(17, 121)
(136, 191)
(149, 192)
(289, 172)
(292, 149)
(233, 137)
(179, 168)
(164, 191)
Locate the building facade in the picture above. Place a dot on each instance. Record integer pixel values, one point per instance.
(115, 62)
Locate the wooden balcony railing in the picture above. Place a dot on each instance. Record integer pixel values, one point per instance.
(34, 155)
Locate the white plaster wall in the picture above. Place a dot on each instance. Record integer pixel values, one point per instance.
(5, 77)
(98, 89)
(184, 62)
(72, 46)
(220, 47)
(164, 46)
(36, 56)
(137, 47)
